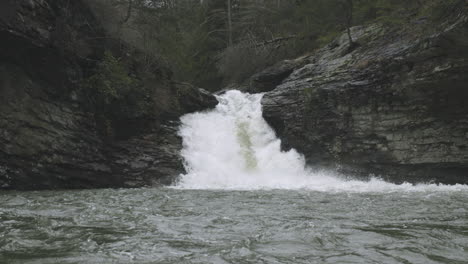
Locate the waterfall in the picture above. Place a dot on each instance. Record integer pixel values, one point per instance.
(233, 147)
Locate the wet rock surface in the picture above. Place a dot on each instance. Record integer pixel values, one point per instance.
(394, 107)
(48, 138)
(150, 159)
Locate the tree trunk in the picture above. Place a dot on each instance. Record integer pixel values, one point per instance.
(229, 17)
(129, 11)
(349, 21)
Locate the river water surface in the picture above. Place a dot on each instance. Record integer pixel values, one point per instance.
(422, 225)
(243, 200)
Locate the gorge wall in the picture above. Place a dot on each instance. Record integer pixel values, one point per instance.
(395, 106)
(49, 138)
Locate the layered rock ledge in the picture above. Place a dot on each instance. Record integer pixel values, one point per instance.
(395, 107)
(48, 138)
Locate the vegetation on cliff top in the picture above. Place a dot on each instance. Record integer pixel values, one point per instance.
(211, 43)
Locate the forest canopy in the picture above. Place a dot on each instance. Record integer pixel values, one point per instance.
(212, 43)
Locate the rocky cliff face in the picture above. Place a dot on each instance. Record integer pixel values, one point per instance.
(48, 138)
(395, 106)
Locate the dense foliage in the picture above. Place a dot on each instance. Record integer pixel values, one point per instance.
(214, 42)
(114, 93)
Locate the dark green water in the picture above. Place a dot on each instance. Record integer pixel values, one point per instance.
(425, 225)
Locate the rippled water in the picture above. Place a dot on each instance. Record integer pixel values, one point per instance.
(425, 225)
(285, 213)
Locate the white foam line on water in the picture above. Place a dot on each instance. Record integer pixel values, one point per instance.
(233, 148)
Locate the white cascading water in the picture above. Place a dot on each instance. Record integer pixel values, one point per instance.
(232, 147)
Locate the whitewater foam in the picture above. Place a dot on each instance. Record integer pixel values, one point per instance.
(232, 147)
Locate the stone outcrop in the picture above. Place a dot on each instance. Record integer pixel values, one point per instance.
(272, 76)
(150, 159)
(395, 106)
(48, 137)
